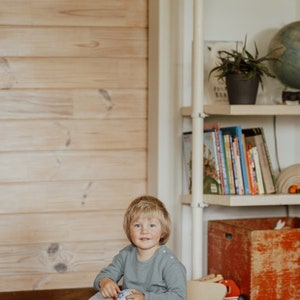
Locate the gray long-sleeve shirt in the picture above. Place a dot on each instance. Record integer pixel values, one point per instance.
(162, 277)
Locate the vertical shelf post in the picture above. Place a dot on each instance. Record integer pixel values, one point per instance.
(197, 204)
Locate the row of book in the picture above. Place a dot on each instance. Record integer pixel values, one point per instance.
(236, 161)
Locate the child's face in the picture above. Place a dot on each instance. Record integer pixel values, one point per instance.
(146, 232)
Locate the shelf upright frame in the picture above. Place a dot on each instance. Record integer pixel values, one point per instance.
(197, 204)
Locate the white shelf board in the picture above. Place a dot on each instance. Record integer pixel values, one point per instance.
(249, 200)
(246, 110)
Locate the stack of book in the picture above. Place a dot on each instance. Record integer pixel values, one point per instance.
(236, 161)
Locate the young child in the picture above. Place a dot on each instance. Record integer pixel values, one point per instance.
(147, 267)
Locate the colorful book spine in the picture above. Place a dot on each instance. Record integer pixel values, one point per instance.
(220, 160)
(252, 172)
(211, 166)
(266, 172)
(237, 131)
(236, 151)
(258, 172)
(232, 157)
(269, 160)
(228, 160)
(234, 166)
(246, 155)
(254, 137)
(223, 163)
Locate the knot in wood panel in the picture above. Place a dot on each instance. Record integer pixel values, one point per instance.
(61, 267)
(107, 100)
(52, 249)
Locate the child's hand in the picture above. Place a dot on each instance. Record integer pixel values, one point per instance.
(109, 288)
(136, 295)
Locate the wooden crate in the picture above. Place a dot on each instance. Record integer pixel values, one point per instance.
(264, 263)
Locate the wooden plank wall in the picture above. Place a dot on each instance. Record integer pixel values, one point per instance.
(73, 136)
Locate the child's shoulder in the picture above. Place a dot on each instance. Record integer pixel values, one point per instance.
(166, 249)
(128, 250)
(167, 252)
(126, 253)
(168, 256)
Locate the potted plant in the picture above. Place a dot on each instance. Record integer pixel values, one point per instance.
(242, 73)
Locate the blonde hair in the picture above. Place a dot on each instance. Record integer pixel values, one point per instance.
(148, 206)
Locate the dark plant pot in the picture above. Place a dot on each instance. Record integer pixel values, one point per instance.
(241, 91)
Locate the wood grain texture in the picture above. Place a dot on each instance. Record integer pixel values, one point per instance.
(73, 136)
(112, 13)
(73, 103)
(275, 264)
(58, 257)
(58, 135)
(52, 256)
(57, 227)
(265, 264)
(66, 196)
(122, 42)
(81, 165)
(93, 73)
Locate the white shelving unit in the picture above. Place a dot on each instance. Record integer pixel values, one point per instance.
(233, 200)
(197, 112)
(238, 200)
(245, 110)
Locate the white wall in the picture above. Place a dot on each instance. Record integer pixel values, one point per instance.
(224, 20)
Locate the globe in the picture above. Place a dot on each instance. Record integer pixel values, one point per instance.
(286, 47)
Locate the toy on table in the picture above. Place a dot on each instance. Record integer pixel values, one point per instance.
(122, 295)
